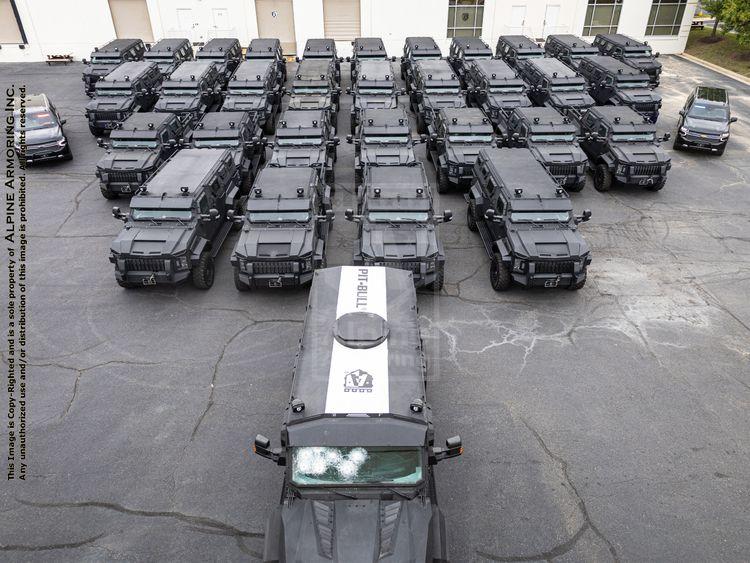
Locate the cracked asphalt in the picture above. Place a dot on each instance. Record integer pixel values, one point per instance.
(608, 424)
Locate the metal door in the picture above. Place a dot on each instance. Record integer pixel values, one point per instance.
(517, 18)
(276, 19)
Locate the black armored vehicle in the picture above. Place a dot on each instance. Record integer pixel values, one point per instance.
(314, 87)
(237, 131)
(41, 136)
(105, 59)
(705, 120)
(496, 89)
(375, 88)
(463, 50)
(306, 138)
(255, 88)
(135, 150)
(398, 224)
(284, 230)
(553, 140)
(622, 146)
(383, 138)
(323, 49)
(130, 88)
(268, 49)
(635, 53)
(570, 49)
(225, 53)
(456, 137)
(357, 441)
(366, 49)
(177, 221)
(515, 48)
(415, 49)
(552, 83)
(193, 89)
(613, 82)
(168, 54)
(435, 86)
(526, 222)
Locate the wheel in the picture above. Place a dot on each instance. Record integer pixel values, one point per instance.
(720, 151)
(499, 274)
(126, 285)
(107, 193)
(658, 185)
(577, 286)
(238, 283)
(677, 145)
(602, 178)
(429, 155)
(357, 178)
(269, 127)
(330, 178)
(203, 271)
(442, 181)
(96, 131)
(577, 187)
(471, 216)
(437, 285)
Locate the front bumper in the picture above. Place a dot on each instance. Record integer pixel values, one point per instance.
(44, 154)
(107, 123)
(640, 179)
(166, 276)
(531, 277)
(424, 273)
(273, 280)
(695, 141)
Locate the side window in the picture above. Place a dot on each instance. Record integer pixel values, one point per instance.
(523, 131)
(603, 130)
(164, 136)
(203, 204)
(499, 203)
(609, 80)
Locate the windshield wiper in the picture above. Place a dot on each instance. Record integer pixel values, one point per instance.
(336, 491)
(402, 495)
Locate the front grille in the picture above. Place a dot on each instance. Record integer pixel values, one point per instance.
(286, 267)
(644, 108)
(563, 169)
(122, 176)
(645, 169)
(409, 266)
(145, 265)
(555, 267)
(107, 115)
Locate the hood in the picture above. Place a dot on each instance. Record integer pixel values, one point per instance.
(508, 101)
(151, 241)
(445, 101)
(387, 155)
(166, 68)
(356, 530)
(695, 125)
(100, 69)
(639, 153)
(315, 156)
(405, 242)
(649, 64)
(110, 103)
(464, 154)
(578, 100)
(309, 102)
(548, 242)
(259, 242)
(40, 136)
(376, 102)
(638, 96)
(558, 153)
(128, 159)
(239, 102)
(178, 104)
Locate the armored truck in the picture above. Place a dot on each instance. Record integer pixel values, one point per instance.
(191, 91)
(237, 131)
(526, 223)
(324, 49)
(255, 88)
(105, 59)
(314, 87)
(552, 83)
(130, 88)
(417, 48)
(456, 137)
(168, 54)
(435, 86)
(268, 49)
(496, 89)
(569, 49)
(375, 88)
(284, 230)
(383, 138)
(306, 138)
(553, 140)
(225, 53)
(398, 225)
(613, 82)
(515, 48)
(622, 146)
(366, 49)
(135, 150)
(635, 53)
(357, 441)
(177, 221)
(463, 50)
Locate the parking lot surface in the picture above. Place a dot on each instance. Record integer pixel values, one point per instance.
(608, 423)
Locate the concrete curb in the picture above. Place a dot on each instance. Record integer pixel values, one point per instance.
(716, 68)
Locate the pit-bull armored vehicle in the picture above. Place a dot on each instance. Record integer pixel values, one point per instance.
(526, 222)
(130, 88)
(375, 88)
(105, 59)
(637, 54)
(622, 147)
(366, 49)
(496, 89)
(398, 225)
(255, 88)
(357, 441)
(168, 54)
(268, 49)
(554, 84)
(569, 49)
(417, 48)
(135, 150)
(225, 53)
(314, 88)
(463, 50)
(284, 230)
(177, 221)
(324, 49)
(192, 90)
(515, 48)
(435, 87)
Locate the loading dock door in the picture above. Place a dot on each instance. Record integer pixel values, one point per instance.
(276, 19)
(341, 20)
(9, 32)
(131, 19)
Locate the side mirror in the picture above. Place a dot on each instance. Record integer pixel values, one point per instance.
(172, 143)
(230, 215)
(328, 217)
(349, 139)
(498, 143)
(144, 91)
(447, 216)
(402, 91)
(297, 59)
(181, 141)
(489, 214)
(262, 447)
(63, 121)
(422, 138)
(348, 59)
(100, 141)
(256, 140)
(682, 112)
(117, 214)
(348, 90)
(393, 59)
(336, 141)
(350, 216)
(84, 61)
(585, 216)
(433, 137)
(732, 120)
(667, 136)
(656, 55)
(453, 448)
(264, 141)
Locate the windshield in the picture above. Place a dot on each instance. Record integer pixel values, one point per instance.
(225, 142)
(505, 89)
(435, 90)
(540, 216)
(635, 54)
(278, 216)
(246, 89)
(566, 87)
(180, 90)
(386, 139)
(383, 91)
(134, 143)
(356, 466)
(160, 214)
(632, 83)
(158, 57)
(552, 137)
(106, 60)
(36, 120)
(298, 141)
(109, 91)
(633, 137)
(322, 90)
(709, 112)
(470, 138)
(399, 216)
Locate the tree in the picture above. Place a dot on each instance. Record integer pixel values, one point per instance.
(716, 9)
(737, 16)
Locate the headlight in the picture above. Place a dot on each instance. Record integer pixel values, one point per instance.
(247, 265)
(181, 262)
(622, 168)
(306, 264)
(725, 135)
(520, 265)
(684, 131)
(62, 142)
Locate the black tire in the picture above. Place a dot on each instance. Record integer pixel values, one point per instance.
(357, 179)
(442, 181)
(577, 187)
(579, 285)
(238, 283)
(602, 178)
(720, 151)
(658, 185)
(677, 145)
(429, 154)
(499, 274)
(471, 216)
(269, 127)
(126, 285)
(96, 131)
(107, 193)
(203, 272)
(437, 285)
(330, 179)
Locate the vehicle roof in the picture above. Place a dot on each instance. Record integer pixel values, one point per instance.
(187, 167)
(129, 71)
(398, 181)
(359, 296)
(472, 46)
(221, 120)
(393, 117)
(302, 118)
(253, 70)
(282, 181)
(463, 116)
(368, 44)
(320, 46)
(713, 94)
(623, 119)
(312, 69)
(119, 45)
(264, 45)
(572, 41)
(497, 67)
(219, 44)
(615, 66)
(623, 41)
(191, 71)
(422, 43)
(141, 120)
(436, 67)
(546, 118)
(548, 66)
(521, 42)
(38, 101)
(168, 44)
(374, 69)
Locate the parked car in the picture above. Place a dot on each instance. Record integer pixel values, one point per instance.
(705, 120)
(41, 137)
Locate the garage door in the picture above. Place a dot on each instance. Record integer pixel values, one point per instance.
(131, 19)
(341, 19)
(276, 19)
(9, 32)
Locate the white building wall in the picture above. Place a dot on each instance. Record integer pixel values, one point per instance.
(308, 22)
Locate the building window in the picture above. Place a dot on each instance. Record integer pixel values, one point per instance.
(602, 16)
(465, 18)
(665, 17)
